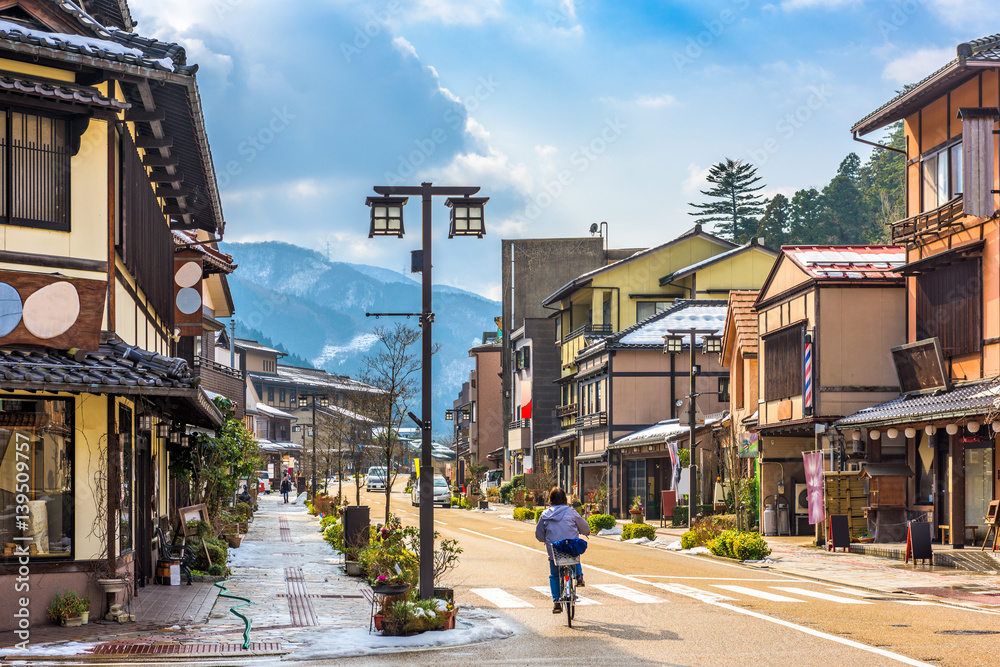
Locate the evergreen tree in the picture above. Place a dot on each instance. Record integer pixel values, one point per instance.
(849, 220)
(881, 184)
(806, 218)
(736, 206)
(774, 225)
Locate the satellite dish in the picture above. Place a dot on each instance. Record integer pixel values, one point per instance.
(594, 228)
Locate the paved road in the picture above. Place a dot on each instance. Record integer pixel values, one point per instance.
(649, 606)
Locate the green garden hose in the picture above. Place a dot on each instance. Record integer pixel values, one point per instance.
(246, 621)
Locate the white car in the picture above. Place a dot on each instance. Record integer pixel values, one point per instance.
(442, 492)
(376, 478)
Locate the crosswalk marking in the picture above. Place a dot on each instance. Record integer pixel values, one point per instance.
(501, 598)
(580, 600)
(821, 596)
(764, 595)
(692, 592)
(627, 593)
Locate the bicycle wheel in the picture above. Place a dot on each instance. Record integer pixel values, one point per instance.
(569, 593)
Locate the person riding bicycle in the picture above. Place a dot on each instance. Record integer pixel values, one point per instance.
(559, 522)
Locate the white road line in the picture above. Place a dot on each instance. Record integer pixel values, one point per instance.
(500, 598)
(746, 612)
(764, 595)
(691, 592)
(851, 591)
(440, 522)
(921, 603)
(821, 596)
(629, 594)
(671, 576)
(580, 600)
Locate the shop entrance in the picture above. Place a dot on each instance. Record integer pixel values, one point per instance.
(978, 482)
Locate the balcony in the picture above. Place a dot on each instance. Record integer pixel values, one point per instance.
(566, 410)
(223, 380)
(519, 435)
(930, 222)
(591, 331)
(593, 420)
(520, 423)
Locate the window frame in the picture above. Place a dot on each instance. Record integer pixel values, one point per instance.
(781, 385)
(6, 166)
(948, 290)
(951, 171)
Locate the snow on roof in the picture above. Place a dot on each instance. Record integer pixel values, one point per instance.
(664, 431)
(266, 409)
(334, 410)
(684, 314)
(315, 377)
(851, 262)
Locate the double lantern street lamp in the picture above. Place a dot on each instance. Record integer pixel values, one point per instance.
(674, 344)
(387, 220)
(304, 401)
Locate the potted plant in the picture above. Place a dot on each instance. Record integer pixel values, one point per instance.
(636, 510)
(84, 609)
(351, 564)
(65, 608)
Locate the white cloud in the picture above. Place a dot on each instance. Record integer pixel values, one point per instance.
(476, 130)
(568, 7)
(916, 65)
(695, 180)
(546, 152)
(969, 15)
(787, 190)
(404, 46)
(822, 4)
(456, 12)
(655, 101)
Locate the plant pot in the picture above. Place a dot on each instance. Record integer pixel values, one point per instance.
(636, 516)
(72, 621)
(390, 590)
(379, 618)
(449, 622)
(85, 617)
(233, 539)
(353, 568)
(484, 504)
(446, 594)
(865, 540)
(112, 585)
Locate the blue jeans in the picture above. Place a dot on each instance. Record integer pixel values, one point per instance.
(554, 578)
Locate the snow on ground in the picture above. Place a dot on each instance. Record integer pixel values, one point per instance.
(63, 649)
(328, 645)
(617, 530)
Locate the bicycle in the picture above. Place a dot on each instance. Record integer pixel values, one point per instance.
(567, 583)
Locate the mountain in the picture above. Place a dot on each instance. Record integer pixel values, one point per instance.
(316, 308)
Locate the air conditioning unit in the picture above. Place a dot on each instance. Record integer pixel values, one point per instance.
(853, 466)
(802, 499)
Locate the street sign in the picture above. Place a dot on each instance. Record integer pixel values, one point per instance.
(699, 416)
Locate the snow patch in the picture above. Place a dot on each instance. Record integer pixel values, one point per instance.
(360, 343)
(617, 530)
(60, 649)
(637, 540)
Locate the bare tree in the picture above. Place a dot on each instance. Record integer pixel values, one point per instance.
(392, 369)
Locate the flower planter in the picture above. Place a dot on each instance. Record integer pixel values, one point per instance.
(484, 504)
(390, 590)
(446, 594)
(353, 568)
(112, 585)
(85, 617)
(636, 516)
(449, 620)
(233, 539)
(72, 621)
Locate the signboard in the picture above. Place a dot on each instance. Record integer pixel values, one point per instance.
(187, 292)
(51, 310)
(750, 446)
(685, 415)
(919, 366)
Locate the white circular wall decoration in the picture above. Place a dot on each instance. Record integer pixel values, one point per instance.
(188, 300)
(188, 275)
(10, 309)
(52, 310)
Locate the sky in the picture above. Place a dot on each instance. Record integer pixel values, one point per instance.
(565, 112)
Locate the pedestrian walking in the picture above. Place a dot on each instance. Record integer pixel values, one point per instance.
(286, 486)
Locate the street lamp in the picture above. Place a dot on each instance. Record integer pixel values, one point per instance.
(387, 220)
(304, 401)
(711, 344)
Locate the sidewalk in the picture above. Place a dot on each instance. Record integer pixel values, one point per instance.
(304, 607)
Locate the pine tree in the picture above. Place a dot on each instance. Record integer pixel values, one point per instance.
(736, 206)
(806, 218)
(850, 220)
(881, 184)
(773, 226)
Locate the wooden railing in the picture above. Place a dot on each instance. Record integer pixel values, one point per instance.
(928, 222)
(519, 423)
(592, 329)
(566, 410)
(594, 420)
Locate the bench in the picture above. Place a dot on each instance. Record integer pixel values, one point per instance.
(946, 530)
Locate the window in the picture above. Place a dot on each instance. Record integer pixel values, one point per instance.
(270, 394)
(559, 327)
(281, 396)
(293, 398)
(597, 397)
(646, 309)
(125, 514)
(942, 176)
(606, 310)
(783, 363)
(34, 170)
(36, 462)
(723, 390)
(949, 307)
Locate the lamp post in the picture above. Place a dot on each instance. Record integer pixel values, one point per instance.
(711, 344)
(387, 220)
(304, 401)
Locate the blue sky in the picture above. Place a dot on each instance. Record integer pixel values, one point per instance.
(566, 112)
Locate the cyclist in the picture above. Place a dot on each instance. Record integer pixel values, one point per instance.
(559, 522)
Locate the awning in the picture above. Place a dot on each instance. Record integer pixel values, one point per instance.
(592, 459)
(943, 259)
(885, 469)
(664, 431)
(559, 439)
(962, 401)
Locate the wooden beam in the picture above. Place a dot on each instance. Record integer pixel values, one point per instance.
(163, 177)
(53, 261)
(142, 116)
(154, 142)
(174, 210)
(172, 192)
(159, 161)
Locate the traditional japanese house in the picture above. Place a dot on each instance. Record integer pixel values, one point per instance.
(943, 423)
(105, 154)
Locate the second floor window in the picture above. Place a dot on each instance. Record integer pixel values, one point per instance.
(723, 390)
(941, 173)
(950, 305)
(281, 396)
(646, 309)
(34, 171)
(270, 394)
(783, 351)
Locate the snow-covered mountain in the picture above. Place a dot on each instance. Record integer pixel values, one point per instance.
(316, 309)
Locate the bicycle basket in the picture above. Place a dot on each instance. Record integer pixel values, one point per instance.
(561, 558)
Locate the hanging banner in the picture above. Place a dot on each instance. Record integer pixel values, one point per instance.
(749, 446)
(813, 462)
(675, 463)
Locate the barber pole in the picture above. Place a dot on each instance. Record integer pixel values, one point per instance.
(807, 394)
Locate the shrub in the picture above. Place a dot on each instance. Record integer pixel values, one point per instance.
(723, 544)
(599, 522)
(523, 514)
(506, 491)
(689, 540)
(750, 546)
(538, 513)
(244, 511)
(631, 531)
(680, 517)
(493, 494)
(216, 570)
(328, 520)
(703, 532)
(217, 549)
(322, 504)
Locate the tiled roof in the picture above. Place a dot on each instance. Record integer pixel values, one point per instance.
(336, 410)
(682, 314)
(558, 438)
(985, 50)
(62, 92)
(295, 376)
(715, 259)
(968, 400)
(828, 262)
(745, 319)
(664, 431)
(581, 280)
(115, 368)
(212, 256)
(247, 344)
(264, 408)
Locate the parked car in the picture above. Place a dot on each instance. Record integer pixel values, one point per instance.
(442, 492)
(492, 478)
(263, 482)
(376, 478)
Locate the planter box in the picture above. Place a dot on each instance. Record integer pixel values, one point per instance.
(353, 568)
(72, 621)
(233, 539)
(484, 504)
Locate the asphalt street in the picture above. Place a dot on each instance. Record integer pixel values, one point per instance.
(651, 606)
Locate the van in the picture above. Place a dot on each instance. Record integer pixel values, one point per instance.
(492, 478)
(376, 478)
